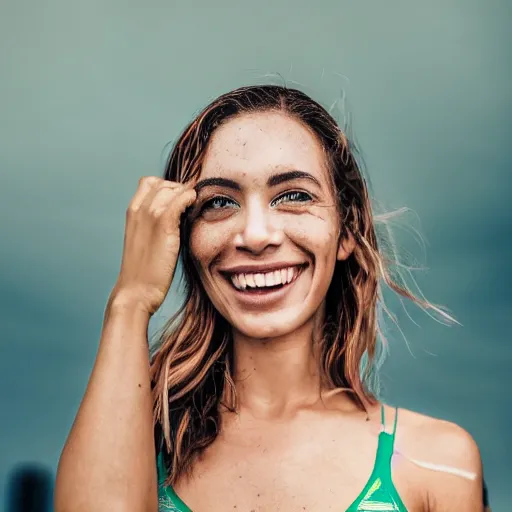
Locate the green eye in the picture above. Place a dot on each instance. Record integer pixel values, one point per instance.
(217, 203)
(294, 197)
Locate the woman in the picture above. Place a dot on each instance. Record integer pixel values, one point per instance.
(260, 390)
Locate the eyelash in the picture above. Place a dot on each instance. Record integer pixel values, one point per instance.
(208, 205)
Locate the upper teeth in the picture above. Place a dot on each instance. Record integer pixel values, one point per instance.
(255, 280)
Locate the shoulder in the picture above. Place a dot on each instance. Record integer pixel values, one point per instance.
(448, 458)
(441, 439)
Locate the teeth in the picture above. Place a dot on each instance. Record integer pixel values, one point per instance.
(260, 280)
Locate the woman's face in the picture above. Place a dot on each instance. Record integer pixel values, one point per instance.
(265, 228)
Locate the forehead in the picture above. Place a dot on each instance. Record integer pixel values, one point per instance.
(256, 144)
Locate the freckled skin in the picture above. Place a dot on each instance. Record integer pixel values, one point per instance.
(248, 149)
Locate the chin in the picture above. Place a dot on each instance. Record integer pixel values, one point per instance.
(266, 325)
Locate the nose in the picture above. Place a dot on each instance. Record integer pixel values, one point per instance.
(259, 229)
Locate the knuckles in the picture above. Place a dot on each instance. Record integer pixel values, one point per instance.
(150, 180)
(163, 200)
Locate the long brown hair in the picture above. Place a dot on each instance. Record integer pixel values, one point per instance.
(191, 370)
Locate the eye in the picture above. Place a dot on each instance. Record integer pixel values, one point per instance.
(217, 203)
(294, 197)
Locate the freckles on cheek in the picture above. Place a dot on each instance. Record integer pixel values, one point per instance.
(301, 229)
(315, 227)
(330, 222)
(205, 244)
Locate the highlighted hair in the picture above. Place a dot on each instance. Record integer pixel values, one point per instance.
(191, 369)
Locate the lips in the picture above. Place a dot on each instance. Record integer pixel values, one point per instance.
(263, 296)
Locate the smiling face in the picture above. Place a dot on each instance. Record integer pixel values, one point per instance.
(265, 227)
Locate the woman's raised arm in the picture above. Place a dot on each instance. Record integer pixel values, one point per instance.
(108, 462)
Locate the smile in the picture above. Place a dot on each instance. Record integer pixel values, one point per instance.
(265, 280)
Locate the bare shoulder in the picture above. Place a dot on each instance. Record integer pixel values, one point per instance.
(440, 438)
(448, 458)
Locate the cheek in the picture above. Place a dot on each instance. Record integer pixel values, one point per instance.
(205, 243)
(317, 231)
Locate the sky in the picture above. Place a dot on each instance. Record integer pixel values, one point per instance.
(92, 93)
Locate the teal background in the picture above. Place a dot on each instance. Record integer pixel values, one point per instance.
(90, 94)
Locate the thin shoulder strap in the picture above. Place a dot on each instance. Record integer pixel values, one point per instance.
(383, 419)
(385, 447)
(396, 421)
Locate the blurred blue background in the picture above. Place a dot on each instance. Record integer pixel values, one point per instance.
(90, 94)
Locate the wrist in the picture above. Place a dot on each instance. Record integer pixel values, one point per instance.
(121, 302)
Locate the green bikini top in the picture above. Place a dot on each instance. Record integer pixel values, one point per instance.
(378, 495)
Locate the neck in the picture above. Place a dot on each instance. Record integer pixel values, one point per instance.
(276, 377)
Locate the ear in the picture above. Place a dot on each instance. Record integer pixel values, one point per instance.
(346, 245)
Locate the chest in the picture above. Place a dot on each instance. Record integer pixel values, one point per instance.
(293, 471)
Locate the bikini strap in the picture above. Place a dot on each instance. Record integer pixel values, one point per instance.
(396, 421)
(383, 420)
(385, 448)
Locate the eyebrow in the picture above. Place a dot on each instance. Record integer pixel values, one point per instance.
(274, 180)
